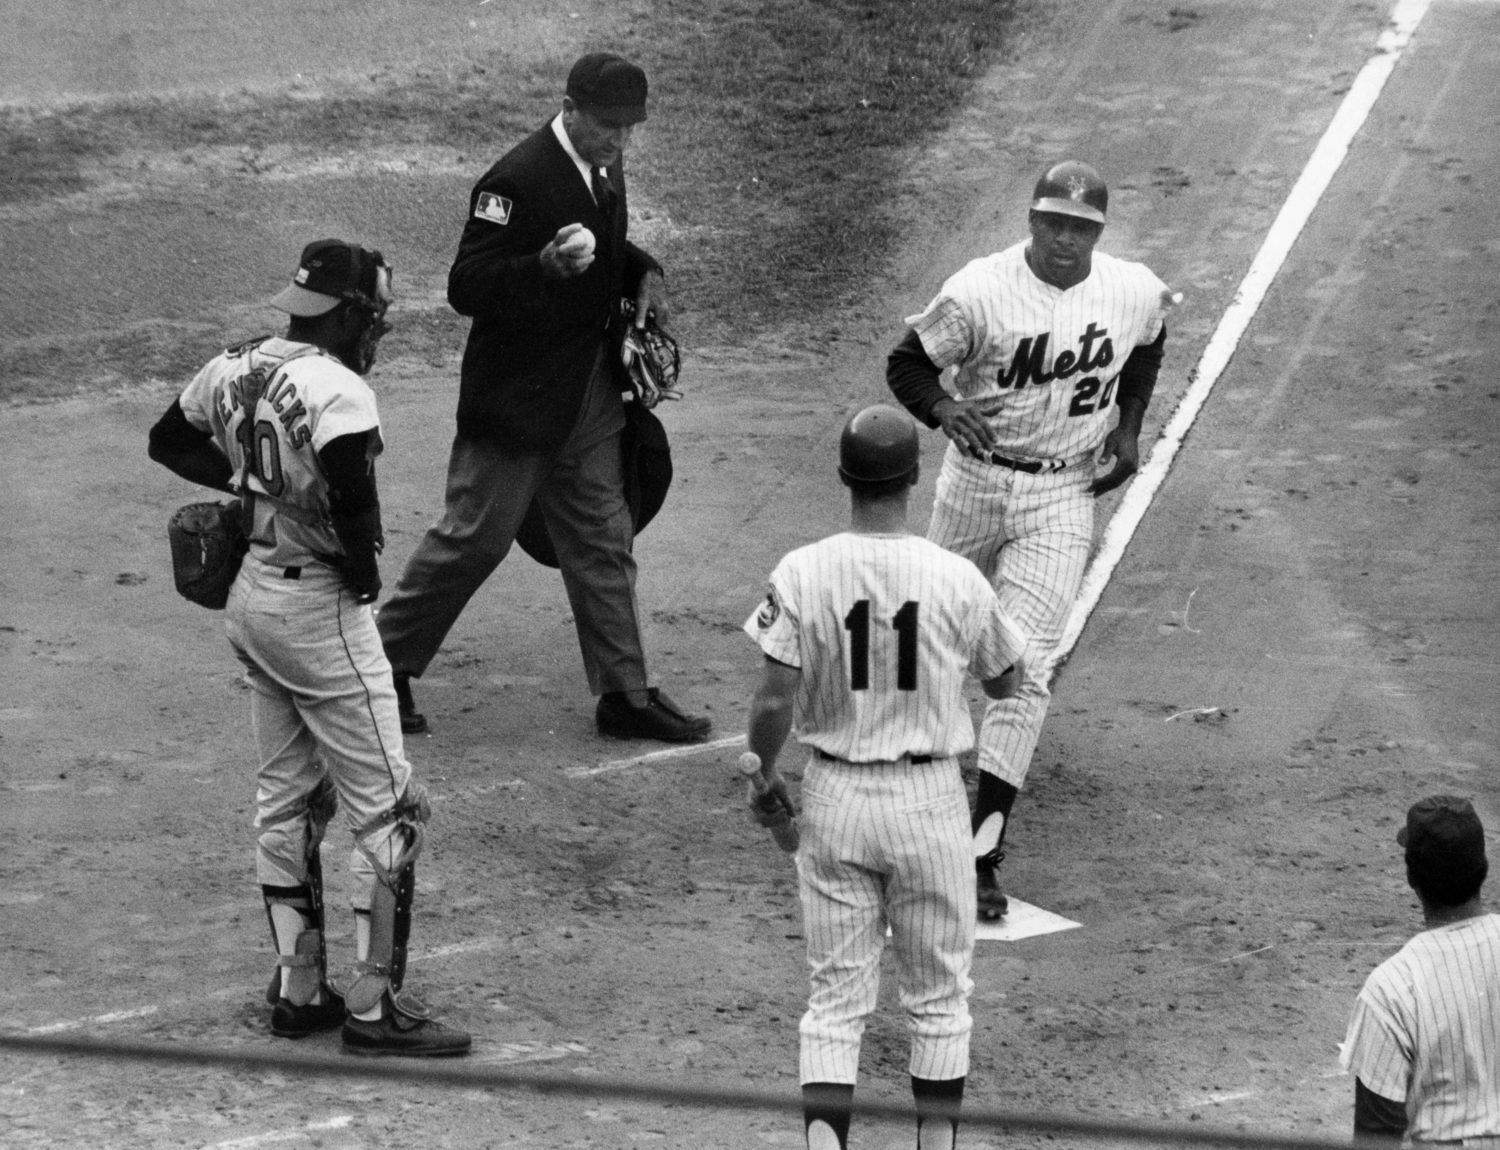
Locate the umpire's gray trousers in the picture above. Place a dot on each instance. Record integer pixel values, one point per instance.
(581, 492)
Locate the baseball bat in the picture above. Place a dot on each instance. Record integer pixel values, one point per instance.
(785, 829)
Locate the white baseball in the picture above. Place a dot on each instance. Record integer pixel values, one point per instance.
(578, 245)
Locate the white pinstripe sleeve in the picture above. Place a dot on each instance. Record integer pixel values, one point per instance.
(1000, 641)
(1378, 1046)
(946, 329)
(774, 625)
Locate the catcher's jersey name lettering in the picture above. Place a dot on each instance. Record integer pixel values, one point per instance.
(291, 412)
(1028, 365)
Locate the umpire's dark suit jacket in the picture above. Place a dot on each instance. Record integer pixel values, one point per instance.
(533, 341)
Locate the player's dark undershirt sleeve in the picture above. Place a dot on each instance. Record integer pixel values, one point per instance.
(1138, 376)
(188, 451)
(1376, 1116)
(914, 379)
(354, 507)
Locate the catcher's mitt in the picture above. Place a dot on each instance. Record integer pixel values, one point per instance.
(651, 359)
(208, 541)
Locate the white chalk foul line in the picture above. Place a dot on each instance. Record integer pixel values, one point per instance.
(270, 1138)
(686, 751)
(1406, 15)
(97, 1020)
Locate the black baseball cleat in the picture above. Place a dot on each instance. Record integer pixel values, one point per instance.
(403, 1033)
(992, 904)
(412, 721)
(658, 718)
(289, 1020)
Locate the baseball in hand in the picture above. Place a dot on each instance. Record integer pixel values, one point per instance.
(577, 244)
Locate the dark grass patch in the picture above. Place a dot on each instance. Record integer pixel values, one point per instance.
(786, 122)
(778, 134)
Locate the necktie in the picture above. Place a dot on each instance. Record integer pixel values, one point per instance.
(604, 192)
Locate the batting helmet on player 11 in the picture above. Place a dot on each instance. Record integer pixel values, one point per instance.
(878, 444)
(1072, 188)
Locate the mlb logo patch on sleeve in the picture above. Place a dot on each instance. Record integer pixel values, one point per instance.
(491, 207)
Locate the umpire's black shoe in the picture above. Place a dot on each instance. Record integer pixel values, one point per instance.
(291, 1021)
(992, 904)
(403, 1034)
(657, 718)
(412, 722)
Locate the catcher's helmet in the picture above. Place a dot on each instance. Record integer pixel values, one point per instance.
(878, 444)
(1071, 188)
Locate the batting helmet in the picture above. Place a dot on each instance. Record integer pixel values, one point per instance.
(878, 444)
(1072, 188)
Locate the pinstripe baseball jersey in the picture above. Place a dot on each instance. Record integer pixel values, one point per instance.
(884, 628)
(1053, 354)
(1426, 1030)
(282, 402)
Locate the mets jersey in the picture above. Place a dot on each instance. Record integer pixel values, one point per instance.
(884, 629)
(1426, 1030)
(1053, 355)
(282, 402)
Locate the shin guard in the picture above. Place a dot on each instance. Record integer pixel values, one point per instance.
(302, 963)
(383, 967)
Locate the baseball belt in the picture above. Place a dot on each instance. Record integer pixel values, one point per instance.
(915, 760)
(1030, 466)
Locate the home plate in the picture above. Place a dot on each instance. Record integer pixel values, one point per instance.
(1022, 920)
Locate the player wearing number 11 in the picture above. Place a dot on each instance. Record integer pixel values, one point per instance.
(868, 636)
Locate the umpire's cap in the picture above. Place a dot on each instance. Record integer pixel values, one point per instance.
(610, 87)
(1072, 188)
(879, 444)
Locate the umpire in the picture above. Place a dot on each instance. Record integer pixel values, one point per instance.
(541, 270)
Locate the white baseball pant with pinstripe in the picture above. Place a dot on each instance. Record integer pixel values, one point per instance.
(892, 835)
(1031, 536)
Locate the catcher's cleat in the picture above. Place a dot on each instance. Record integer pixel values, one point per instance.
(289, 1020)
(403, 1033)
(412, 721)
(992, 904)
(659, 718)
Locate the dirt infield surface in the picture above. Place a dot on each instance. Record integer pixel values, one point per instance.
(1299, 642)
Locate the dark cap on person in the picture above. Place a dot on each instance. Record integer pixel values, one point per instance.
(329, 272)
(1443, 835)
(610, 87)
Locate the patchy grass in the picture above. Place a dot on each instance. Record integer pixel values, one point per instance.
(788, 121)
(779, 131)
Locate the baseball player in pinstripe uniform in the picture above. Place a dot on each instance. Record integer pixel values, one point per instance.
(867, 637)
(1054, 350)
(289, 425)
(1424, 1039)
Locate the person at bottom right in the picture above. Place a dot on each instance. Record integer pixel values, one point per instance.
(1424, 1039)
